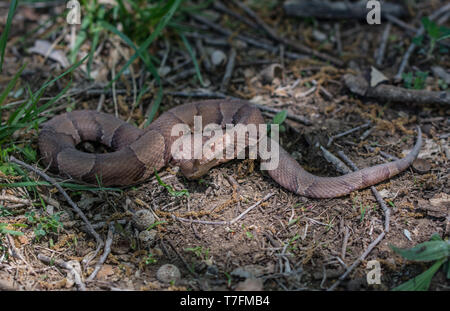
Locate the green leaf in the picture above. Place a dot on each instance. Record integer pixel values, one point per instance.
(427, 251)
(407, 79)
(280, 117)
(418, 40)
(8, 231)
(422, 281)
(436, 237)
(431, 27)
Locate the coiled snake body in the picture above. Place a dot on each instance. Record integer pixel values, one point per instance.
(137, 153)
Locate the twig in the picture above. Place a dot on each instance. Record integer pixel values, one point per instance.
(366, 134)
(382, 49)
(229, 222)
(106, 252)
(340, 166)
(220, 7)
(382, 153)
(337, 32)
(400, 23)
(67, 266)
(383, 92)
(357, 261)
(332, 138)
(180, 76)
(89, 227)
(345, 242)
(228, 71)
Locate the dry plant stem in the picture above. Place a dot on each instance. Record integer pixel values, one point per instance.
(386, 210)
(419, 32)
(89, 227)
(229, 222)
(357, 261)
(382, 49)
(106, 252)
(64, 265)
(274, 35)
(400, 23)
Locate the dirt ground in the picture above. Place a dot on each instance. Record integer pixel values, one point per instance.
(286, 242)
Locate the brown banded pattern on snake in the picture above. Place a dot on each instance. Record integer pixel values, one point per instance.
(137, 153)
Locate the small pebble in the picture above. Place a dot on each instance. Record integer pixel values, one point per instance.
(218, 58)
(271, 72)
(143, 219)
(147, 238)
(168, 273)
(421, 166)
(50, 209)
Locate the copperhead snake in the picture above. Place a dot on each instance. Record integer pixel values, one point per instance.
(137, 153)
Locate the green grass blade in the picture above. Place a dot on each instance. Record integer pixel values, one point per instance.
(69, 70)
(11, 84)
(63, 184)
(194, 59)
(4, 36)
(161, 25)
